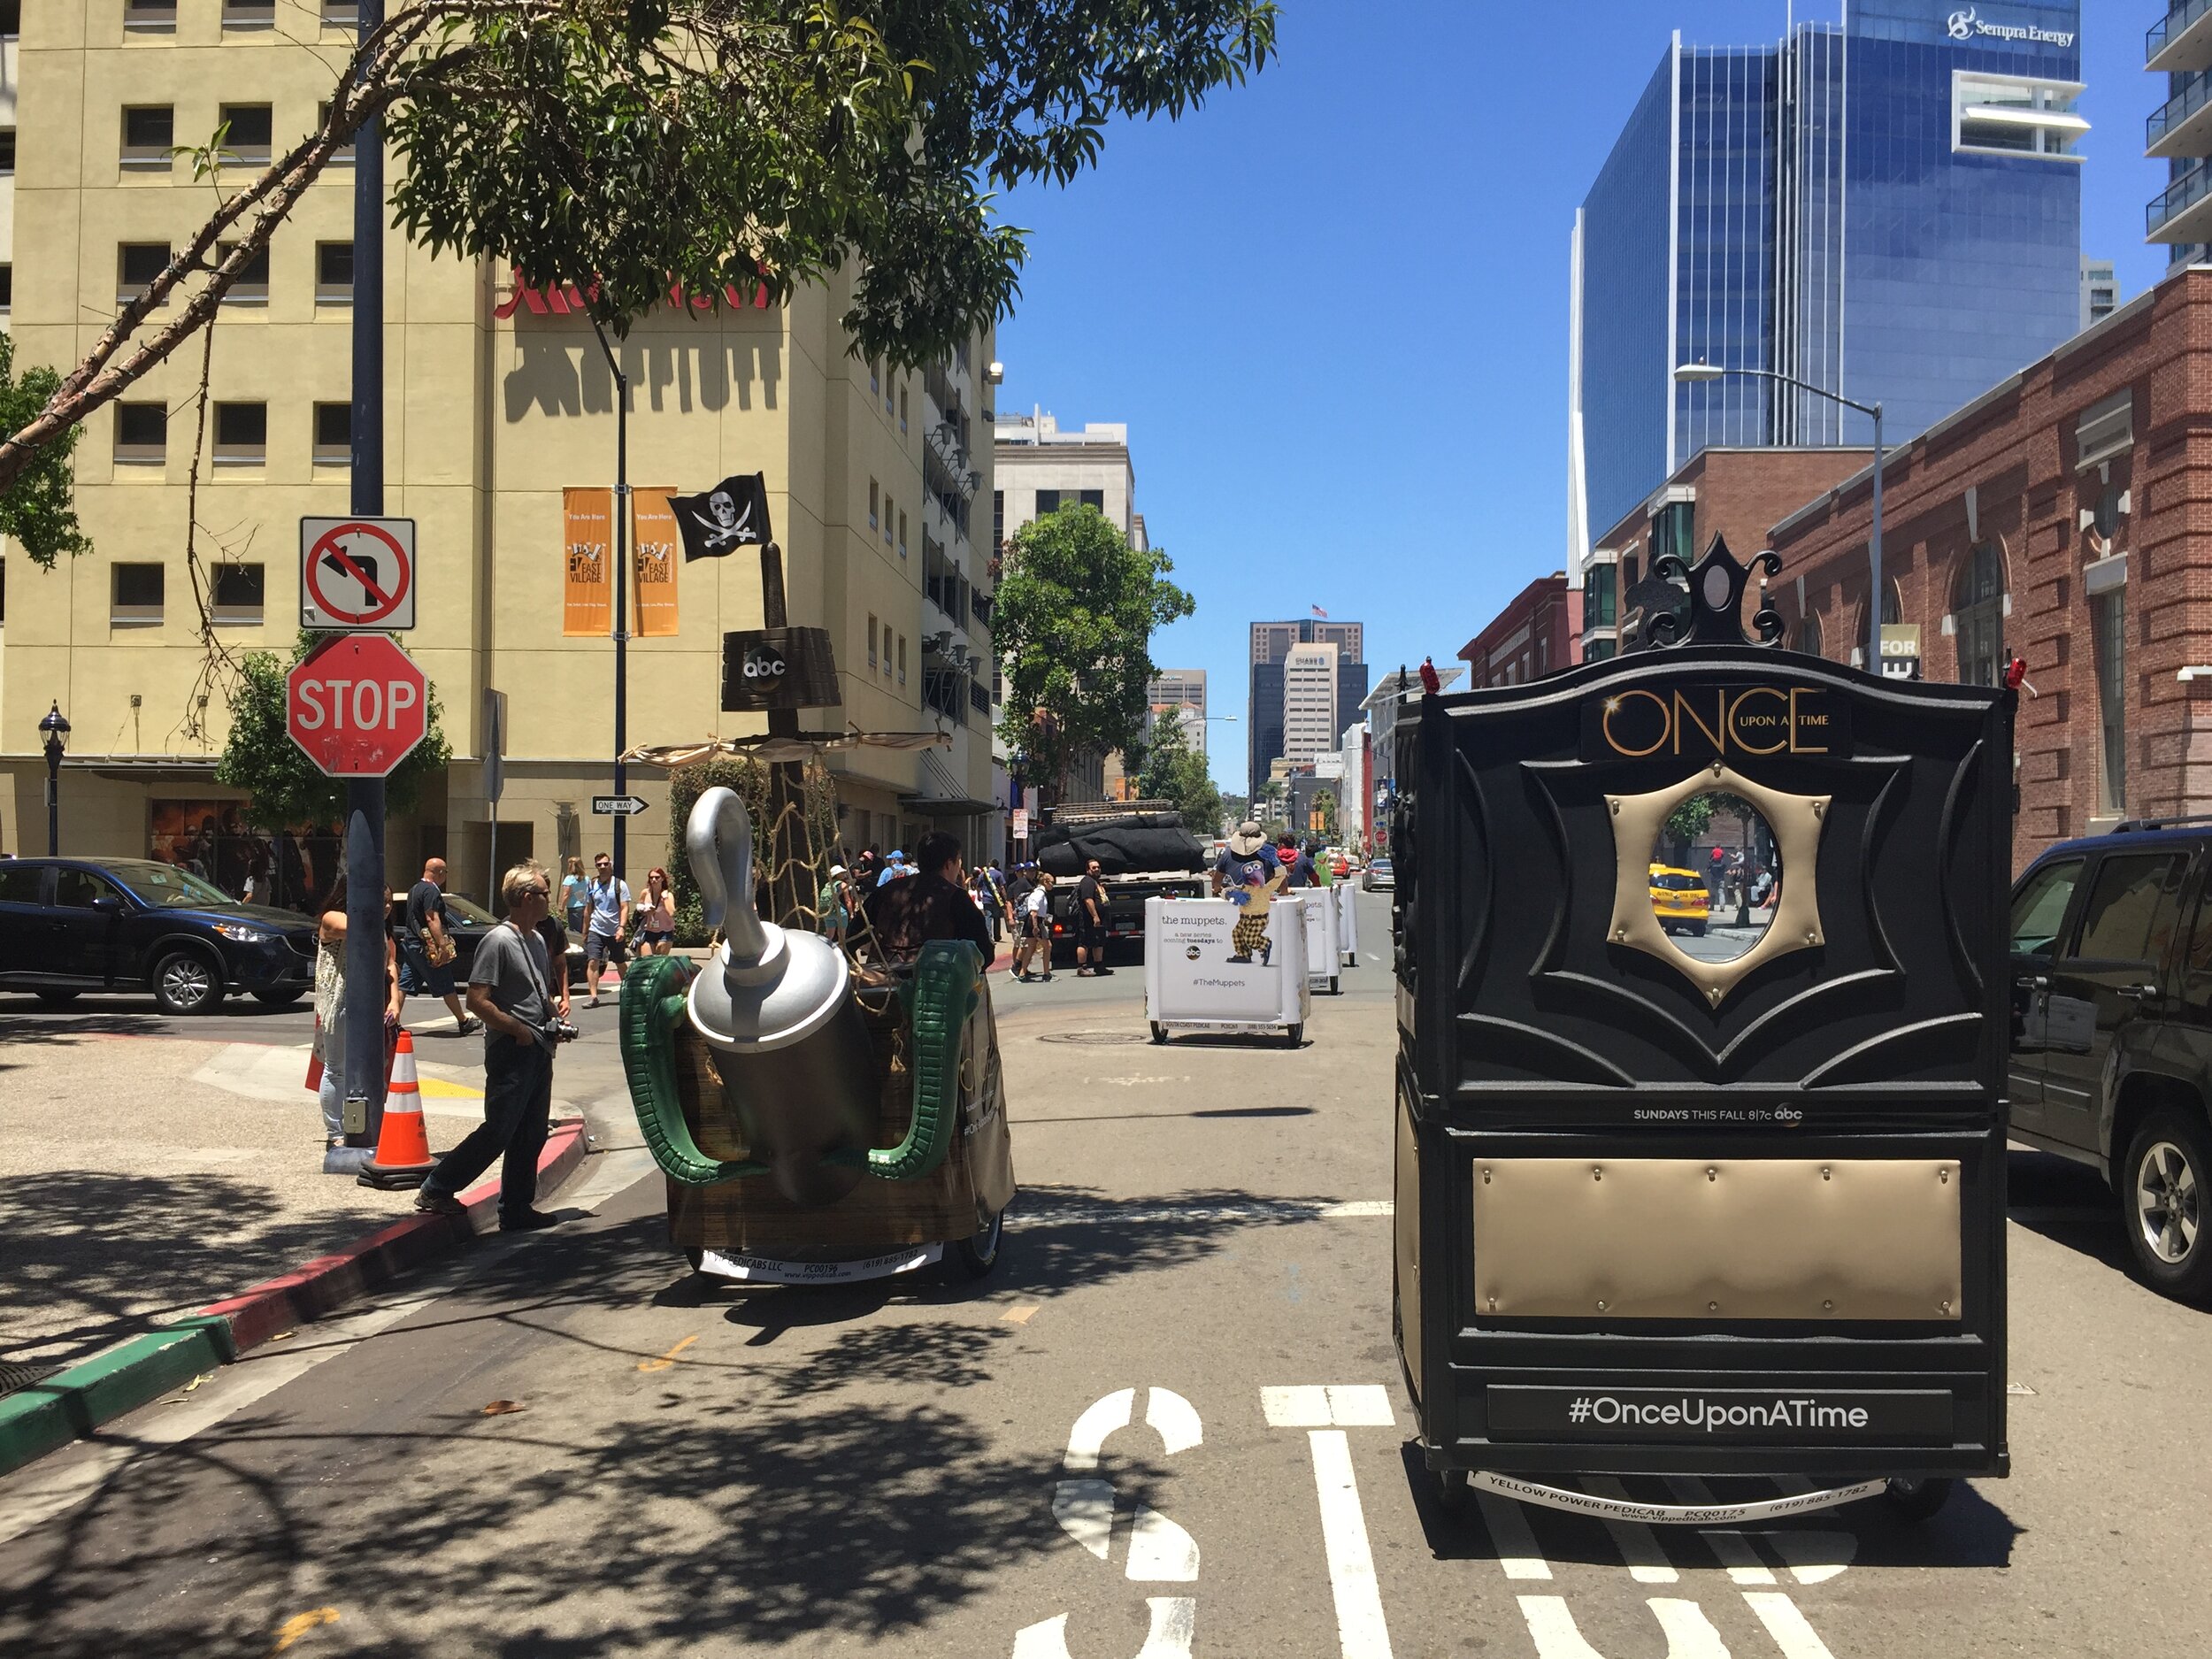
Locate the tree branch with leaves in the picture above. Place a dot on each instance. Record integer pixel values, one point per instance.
(1073, 620)
(631, 146)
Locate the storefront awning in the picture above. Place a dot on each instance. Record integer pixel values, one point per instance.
(761, 745)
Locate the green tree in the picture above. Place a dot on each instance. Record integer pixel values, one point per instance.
(1694, 817)
(812, 838)
(1073, 620)
(283, 785)
(721, 146)
(1324, 807)
(1236, 808)
(1173, 770)
(39, 510)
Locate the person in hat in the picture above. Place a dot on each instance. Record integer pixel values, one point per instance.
(833, 905)
(934, 904)
(1247, 844)
(895, 868)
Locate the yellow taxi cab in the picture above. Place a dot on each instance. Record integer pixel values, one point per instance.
(1678, 899)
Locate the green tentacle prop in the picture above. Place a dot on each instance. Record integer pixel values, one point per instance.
(652, 1012)
(941, 997)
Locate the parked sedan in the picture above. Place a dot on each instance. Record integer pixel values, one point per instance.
(1378, 877)
(70, 926)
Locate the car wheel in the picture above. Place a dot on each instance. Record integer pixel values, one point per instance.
(1917, 1499)
(57, 999)
(2161, 1202)
(1699, 930)
(277, 999)
(974, 1258)
(186, 982)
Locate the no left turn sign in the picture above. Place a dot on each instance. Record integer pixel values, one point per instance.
(358, 573)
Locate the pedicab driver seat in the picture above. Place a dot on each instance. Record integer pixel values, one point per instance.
(815, 1124)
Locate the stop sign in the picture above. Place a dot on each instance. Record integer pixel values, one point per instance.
(356, 705)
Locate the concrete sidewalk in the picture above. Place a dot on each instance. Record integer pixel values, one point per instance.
(141, 1178)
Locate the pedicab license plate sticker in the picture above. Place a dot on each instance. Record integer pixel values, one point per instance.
(765, 1269)
(1782, 1416)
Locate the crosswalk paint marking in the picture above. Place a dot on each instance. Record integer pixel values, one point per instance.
(1788, 1627)
(1639, 1545)
(1733, 1549)
(1362, 1631)
(1690, 1634)
(1511, 1537)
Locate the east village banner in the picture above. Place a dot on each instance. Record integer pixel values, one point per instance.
(587, 554)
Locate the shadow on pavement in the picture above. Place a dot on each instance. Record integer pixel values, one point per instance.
(855, 1489)
(1970, 1531)
(121, 1249)
(2067, 1203)
(23, 1026)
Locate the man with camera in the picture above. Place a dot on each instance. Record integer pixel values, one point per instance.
(510, 991)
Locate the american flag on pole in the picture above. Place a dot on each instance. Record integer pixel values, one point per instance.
(1318, 611)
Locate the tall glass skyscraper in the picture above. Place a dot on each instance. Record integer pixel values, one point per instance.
(1889, 207)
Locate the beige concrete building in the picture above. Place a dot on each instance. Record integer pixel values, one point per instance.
(497, 402)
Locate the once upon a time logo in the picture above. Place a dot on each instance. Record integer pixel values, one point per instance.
(1712, 723)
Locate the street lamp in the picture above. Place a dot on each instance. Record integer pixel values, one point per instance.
(56, 732)
(1695, 373)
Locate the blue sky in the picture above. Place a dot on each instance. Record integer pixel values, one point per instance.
(1332, 306)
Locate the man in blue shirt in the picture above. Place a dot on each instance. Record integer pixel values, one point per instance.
(608, 901)
(894, 870)
(1297, 863)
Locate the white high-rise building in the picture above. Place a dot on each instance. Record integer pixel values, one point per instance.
(1308, 703)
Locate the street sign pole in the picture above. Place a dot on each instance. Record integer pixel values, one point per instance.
(621, 574)
(365, 893)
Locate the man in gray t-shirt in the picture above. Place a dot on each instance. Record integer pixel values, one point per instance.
(510, 991)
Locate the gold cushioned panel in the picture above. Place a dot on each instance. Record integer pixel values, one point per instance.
(1718, 1238)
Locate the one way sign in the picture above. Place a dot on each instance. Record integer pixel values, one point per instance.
(616, 805)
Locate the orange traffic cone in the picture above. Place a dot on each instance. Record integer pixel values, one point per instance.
(403, 1151)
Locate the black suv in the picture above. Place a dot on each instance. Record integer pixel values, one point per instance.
(2112, 1031)
(68, 926)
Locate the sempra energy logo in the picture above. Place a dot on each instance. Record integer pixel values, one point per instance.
(1967, 24)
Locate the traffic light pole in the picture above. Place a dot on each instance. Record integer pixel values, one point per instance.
(366, 896)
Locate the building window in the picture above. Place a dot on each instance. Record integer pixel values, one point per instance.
(901, 659)
(2016, 115)
(887, 519)
(871, 642)
(875, 377)
(1978, 616)
(902, 409)
(241, 435)
(237, 595)
(1600, 600)
(342, 14)
(333, 434)
(341, 157)
(11, 18)
(149, 132)
(333, 273)
(252, 128)
(1892, 604)
(1808, 640)
(887, 408)
(7, 149)
(873, 497)
(1091, 498)
(248, 14)
(902, 532)
(998, 517)
(1048, 503)
(2107, 621)
(141, 433)
(251, 286)
(137, 265)
(136, 602)
(7, 289)
(150, 14)
(1674, 530)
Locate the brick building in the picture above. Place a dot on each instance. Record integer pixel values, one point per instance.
(1735, 493)
(1534, 635)
(2064, 516)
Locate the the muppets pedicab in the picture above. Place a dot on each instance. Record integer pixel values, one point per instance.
(818, 1122)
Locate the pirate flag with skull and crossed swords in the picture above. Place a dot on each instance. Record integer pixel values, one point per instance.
(732, 514)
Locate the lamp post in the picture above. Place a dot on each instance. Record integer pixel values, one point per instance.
(1694, 373)
(55, 729)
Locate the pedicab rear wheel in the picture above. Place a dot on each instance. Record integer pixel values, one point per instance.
(974, 1258)
(1918, 1500)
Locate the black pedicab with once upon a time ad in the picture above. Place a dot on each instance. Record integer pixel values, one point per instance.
(1701, 1125)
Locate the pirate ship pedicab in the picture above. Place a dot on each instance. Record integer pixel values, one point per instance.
(1729, 1208)
(818, 1121)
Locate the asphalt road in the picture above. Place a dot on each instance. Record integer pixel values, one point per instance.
(877, 1469)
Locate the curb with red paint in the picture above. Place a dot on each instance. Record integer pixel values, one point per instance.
(51, 1413)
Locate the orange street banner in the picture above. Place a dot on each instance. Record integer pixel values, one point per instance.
(587, 541)
(653, 536)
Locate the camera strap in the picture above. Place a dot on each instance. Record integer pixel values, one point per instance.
(530, 966)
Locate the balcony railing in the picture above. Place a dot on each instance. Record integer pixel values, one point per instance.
(2176, 21)
(2177, 110)
(2182, 194)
